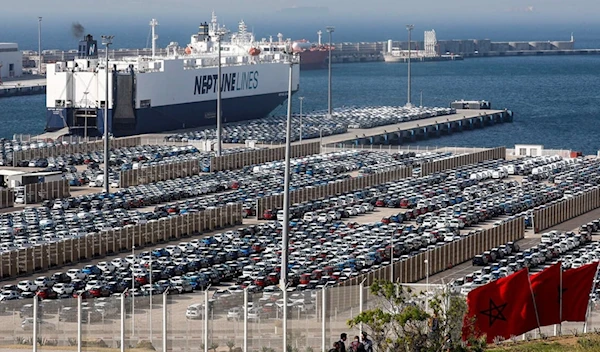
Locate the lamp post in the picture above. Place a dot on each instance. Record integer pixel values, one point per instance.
(286, 202)
(392, 258)
(39, 45)
(106, 41)
(219, 137)
(421, 102)
(330, 30)
(409, 28)
(427, 281)
(132, 292)
(301, 100)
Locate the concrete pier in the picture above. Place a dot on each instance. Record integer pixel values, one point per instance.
(24, 85)
(411, 131)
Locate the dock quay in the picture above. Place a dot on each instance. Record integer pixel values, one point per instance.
(24, 85)
(411, 131)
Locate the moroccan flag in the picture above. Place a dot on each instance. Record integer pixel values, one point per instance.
(577, 285)
(546, 292)
(495, 309)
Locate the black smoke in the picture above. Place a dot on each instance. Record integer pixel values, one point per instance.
(77, 29)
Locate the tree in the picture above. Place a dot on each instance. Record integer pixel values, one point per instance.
(401, 322)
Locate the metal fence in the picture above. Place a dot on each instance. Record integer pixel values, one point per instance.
(7, 198)
(338, 187)
(566, 209)
(26, 261)
(83, 147)
(155, 173)
(38, 192)
(239, 160)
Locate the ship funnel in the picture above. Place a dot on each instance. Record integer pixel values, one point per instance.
(389, 48)
(88, 48)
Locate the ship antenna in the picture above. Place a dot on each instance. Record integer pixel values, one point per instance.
(153, 24)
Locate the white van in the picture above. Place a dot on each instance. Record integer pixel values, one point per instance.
(194, 311)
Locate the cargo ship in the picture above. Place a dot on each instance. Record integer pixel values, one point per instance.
(178, 90)
(312, 56)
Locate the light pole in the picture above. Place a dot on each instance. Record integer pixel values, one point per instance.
(286, 202)
(219, 137)
(151, 291)
(421, 102)
(427, 281)
(132, 291)
(39, 45)
(301, 100)
(330, 30)
(409, 27)
(392, 258)
(106, 41)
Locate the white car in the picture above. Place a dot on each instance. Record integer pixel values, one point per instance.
(27, 286)
(76, 274)
(8, 295)
(106, 267)
(63, 289)
(43, 282)
(234, 314)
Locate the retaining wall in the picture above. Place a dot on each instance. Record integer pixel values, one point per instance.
(7, 198)
(461, 160)
(239, 160)
(74, 148)
(96, 245)
(567, 209)
(157, 173)
(38, 192)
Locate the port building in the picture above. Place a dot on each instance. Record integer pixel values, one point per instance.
(11, 60)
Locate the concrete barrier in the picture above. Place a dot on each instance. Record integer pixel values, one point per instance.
(63, 149)
(38, 192)
(7, 198)
(566, 209)
(275, 202)
(26, 261)
(239, 160)
(161, 172)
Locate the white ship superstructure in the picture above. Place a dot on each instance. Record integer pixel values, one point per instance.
(161, 93)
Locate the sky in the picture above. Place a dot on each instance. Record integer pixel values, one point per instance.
(354, 20)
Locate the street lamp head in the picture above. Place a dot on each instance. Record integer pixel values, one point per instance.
(107, 39)
(330, 29)
(301, 98)
(410, 27)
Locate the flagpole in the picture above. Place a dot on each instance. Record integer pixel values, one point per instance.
(587, 312)
(537, 316)
(560, 299)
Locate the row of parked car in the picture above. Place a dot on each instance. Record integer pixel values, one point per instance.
(572, 249)
(314, 124)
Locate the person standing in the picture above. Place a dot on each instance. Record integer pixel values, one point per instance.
(356, 345)
(368, 344)
(342, 341)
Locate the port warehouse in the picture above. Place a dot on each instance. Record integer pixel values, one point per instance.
(11, 61)
(465, 47)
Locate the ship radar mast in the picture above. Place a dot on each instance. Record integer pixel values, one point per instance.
(153, 24)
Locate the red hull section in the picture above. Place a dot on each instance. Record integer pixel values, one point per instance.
(313, 59)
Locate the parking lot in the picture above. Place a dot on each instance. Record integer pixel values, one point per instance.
(332, 239)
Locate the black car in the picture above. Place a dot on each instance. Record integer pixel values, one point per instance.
(480, 260)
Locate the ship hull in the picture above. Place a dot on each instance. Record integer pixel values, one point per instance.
(313, 60)
(173, 117)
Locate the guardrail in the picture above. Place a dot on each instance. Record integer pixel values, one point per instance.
(337, 187)
(38, 192)
(161, 172)
(28, 260)
(566, 209)
(239, 160)
(84, 147)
